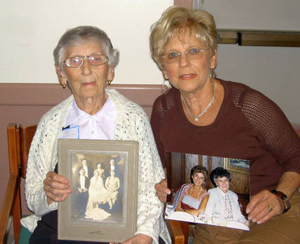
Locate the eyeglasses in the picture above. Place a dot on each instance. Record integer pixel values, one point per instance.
(94, 59)
(192, 54)
(198, 177)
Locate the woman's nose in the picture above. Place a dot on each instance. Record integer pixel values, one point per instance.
(184, 60)
(86, 66)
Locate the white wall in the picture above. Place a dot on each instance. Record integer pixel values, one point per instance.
(30, 30)
(272, 70)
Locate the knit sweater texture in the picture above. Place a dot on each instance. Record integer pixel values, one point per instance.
(248, 126)
(132, 123)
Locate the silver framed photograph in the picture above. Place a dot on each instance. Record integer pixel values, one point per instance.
(103, 176)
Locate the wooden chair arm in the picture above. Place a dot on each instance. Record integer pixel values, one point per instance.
(8, 205)
(175, 231)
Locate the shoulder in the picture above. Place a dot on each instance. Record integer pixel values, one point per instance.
(167, 99)
(213, 191)
(123, 104)
(52, 119)
(233, 194)
(57, 110)
(243, 95)
(164, 103)
(186, 187)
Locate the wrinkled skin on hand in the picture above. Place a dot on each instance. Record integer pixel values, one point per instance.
(56, 187)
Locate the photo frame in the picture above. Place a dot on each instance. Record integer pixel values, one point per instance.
(238, 165)
(103, 176)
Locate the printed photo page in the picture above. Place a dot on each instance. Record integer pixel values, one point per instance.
(212, 190)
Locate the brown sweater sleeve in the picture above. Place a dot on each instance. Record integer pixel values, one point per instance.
(276, 133)
(156, 120)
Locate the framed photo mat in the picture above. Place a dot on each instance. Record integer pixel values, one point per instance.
(122, 220)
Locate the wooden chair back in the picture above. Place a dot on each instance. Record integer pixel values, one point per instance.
(19, 141)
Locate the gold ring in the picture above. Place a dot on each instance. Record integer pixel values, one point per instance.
(270, 208)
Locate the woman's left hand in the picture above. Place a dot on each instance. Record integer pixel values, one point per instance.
(138, 239)
(263, 206)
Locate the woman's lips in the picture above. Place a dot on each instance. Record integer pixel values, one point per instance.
(89, 83)
(187, 76)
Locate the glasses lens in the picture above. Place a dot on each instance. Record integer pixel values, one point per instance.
(96, 59)
(74, 62)
(195, 53)
(192, 54)
(172, 57)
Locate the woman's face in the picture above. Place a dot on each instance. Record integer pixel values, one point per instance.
(198, 179)
(88, 80)
(223, 183)
(188, 75)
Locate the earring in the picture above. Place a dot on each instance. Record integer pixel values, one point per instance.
(212, 73)
(64, 86)
(165, 87)
(109, 82)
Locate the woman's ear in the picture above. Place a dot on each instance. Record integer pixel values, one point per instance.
(214, 60)
(165, 74)
(61, 76)
(111, 74)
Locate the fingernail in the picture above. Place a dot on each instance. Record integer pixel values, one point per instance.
(254, 220)
(249, 218)
(247, 211)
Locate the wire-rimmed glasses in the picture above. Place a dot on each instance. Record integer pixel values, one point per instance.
(94, 59)
(191, 54)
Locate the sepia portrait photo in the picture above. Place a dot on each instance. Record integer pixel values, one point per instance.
(103, 178)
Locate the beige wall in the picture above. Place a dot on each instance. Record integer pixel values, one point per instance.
(30, 32)
(31, 29)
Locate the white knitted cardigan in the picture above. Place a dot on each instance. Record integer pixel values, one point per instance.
(132, 123)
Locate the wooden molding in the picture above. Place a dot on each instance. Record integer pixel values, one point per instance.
(259, 38)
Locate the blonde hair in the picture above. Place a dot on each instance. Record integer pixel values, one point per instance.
(177, 20)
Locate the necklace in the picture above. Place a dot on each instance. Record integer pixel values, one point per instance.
(196, 118)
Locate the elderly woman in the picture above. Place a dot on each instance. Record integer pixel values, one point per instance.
(192, 197)
(223, 204)
(85, 61)
(204, 115)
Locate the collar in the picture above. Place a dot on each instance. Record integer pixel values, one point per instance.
(76, 114)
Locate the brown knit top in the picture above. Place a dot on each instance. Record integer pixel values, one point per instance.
(248, 126)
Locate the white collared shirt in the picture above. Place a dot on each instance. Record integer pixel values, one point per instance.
(82, 125)
(82, 182)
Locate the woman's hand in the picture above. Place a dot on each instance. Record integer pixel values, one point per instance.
(263, 206)
(138, 239)
(162, 190)
(56, 187)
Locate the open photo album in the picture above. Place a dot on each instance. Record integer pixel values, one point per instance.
(212, 190)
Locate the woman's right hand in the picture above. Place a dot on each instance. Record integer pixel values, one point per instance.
(162, 190)
(56, 187)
